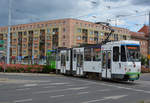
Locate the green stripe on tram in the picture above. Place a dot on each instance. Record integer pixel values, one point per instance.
(133, 75)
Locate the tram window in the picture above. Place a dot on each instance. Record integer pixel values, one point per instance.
(96, 54)
(67, 56)
(79, 60)
(63, 60)
(115, 54)
(104, 60)
(123, 54)
(109, 60)
(58, 57)
(87, 54)
(74, 52)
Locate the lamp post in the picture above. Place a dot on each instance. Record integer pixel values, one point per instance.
(8, 36)
(149, 41)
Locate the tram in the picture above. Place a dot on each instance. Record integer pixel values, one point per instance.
(119, 60)
(51, 59)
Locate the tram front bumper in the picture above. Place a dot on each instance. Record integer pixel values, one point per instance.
(133, 76)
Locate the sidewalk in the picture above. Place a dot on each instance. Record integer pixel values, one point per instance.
(30, 74)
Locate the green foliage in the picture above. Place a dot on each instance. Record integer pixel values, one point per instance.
(141, 102)
(47, 69)
(1, 70)
(144, 61)
(22, 68)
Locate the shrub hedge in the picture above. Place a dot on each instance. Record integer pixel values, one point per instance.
(19, 68)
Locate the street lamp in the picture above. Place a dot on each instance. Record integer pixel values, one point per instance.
(8, 36)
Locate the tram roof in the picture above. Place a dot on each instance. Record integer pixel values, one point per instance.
(89, 46)
(124, 42)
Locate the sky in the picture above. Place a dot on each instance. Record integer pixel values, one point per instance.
(130, 14)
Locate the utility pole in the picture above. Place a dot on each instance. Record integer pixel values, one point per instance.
(149, 40)
(33, 50)
(116, 21)
(8, 36)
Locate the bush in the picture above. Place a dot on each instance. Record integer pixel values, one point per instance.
(145, 70)
(47, 69)
(22, 68)
(144, 61)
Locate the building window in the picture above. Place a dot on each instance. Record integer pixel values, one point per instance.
(63, 43)
(30, 26)
(116, 37)
(14, 52)
(42, 25)
(25, 39)
(48, 37)
(25, 33)
(14, 40)
(79, 37)
(91, 39)
(36, 32)
(64, 36)
(48, 30)
(64, 30)
(13, 46)
(35, 51)
(36, 38)
(48, 44)
(36, 45)
(91, 32)
(124, 37)
(64, 22)
(14, 34)
(24, 45)
(79, 30)
(38, 25)
(24, 52)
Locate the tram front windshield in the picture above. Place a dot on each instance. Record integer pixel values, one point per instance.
(133, 53)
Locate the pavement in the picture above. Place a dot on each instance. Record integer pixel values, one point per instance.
(51, 88)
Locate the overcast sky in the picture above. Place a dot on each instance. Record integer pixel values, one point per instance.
(131, 14)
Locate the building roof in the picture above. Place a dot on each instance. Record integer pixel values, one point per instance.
(138, 35)
(144, 29)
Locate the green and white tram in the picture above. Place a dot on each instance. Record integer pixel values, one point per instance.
(118, 60)
(121, 60)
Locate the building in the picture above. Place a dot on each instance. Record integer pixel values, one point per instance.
(141, 37)
(145, 30)
(30, 42)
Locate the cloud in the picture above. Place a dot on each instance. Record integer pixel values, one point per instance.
(26, 11)
(36, 10)
(141, 2)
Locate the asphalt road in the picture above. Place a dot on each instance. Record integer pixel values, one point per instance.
(35, 88)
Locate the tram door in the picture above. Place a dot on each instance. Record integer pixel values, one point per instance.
(106, 64)
(63, 63)
(79, 67)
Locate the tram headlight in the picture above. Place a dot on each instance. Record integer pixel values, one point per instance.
(129, 70)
